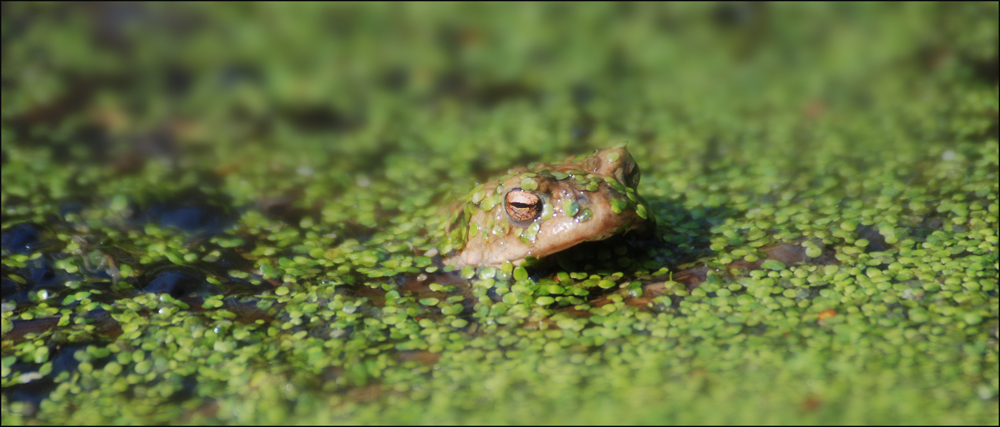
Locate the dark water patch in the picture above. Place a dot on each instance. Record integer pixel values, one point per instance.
(927, 226)
(140, 147)
(786, 253)
(876, 241)
(91, 137)
(581, 93)
(179, 282)
(235, 74)
(737, 14)
(692, 277)
(986, 70)
(8, 288)
(418, 287)
(193, 212)
(932, 56)
(319, 118)
(455, 84)
(374, 295)
(38, 275)
(158, 143)
(22, 328)
(110, 22)
(80, 91)
(92, 142)
(228, 259)
(395, 79)
(619, 64)
(258, 124)
(225, 266)
(21, 238)
(356, 230)
(746, 21)
(15, 24)
(827, 257)
(177, 80)
(63, 359)
(113, 24)
(651, 287)
(449, 83)
(625, 252)
(605, 256)
(493, 94)
(43, 275)
(191, 216)
(185, 392)
(246, 311)
(118, 254)
(283, 207)
(243, 287)
(992, 133)
(453, 38)
(106, 327)
(32, 394)
(686, 233)
(72, 206)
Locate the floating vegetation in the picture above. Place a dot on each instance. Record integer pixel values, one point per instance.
(252, 228)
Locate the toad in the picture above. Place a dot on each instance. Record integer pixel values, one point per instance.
(539, 210)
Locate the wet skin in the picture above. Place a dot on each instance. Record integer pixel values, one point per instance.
(545, 208)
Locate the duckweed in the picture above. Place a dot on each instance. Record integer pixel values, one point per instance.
(250, 229)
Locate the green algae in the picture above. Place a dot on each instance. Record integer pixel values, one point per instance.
(823, 180)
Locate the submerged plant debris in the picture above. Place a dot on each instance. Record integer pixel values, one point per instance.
(226, 212)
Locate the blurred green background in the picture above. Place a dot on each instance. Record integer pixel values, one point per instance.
(218, 213)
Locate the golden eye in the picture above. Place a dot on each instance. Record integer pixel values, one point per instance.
(522, 206)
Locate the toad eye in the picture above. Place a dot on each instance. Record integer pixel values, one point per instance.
(522, 206)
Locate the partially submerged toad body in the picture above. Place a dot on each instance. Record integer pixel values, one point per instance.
(545, 208)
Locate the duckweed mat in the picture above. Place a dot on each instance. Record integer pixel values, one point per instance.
(221, 213)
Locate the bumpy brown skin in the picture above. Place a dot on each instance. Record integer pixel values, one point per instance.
(558, 230)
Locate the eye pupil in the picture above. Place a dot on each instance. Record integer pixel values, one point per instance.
(522, 206)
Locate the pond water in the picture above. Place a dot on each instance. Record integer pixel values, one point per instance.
(238, 213)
